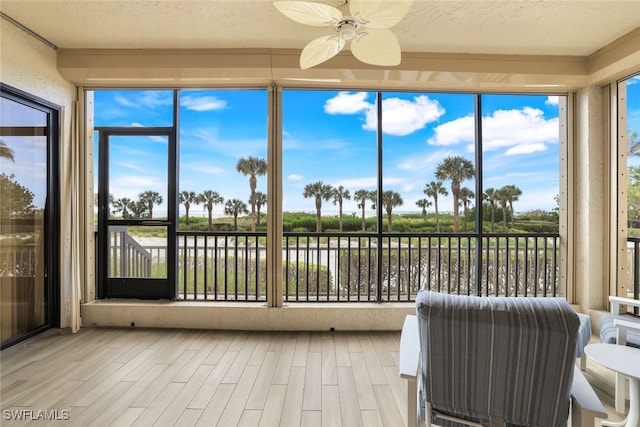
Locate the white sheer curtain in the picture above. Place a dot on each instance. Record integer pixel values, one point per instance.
(72, 214)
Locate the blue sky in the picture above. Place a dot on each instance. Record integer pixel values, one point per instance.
(330, 136)
(633, 111)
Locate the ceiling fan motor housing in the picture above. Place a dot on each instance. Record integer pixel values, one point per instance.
(347, 28)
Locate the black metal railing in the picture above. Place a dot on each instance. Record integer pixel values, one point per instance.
(345, 267)
(222, 266)
(353, 267)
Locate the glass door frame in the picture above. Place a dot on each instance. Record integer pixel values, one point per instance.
(133, 287)
(51, 224)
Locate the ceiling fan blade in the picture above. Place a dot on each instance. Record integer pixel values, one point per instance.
(379, 14)
(377, 47)
(320, 50)
(309, 13)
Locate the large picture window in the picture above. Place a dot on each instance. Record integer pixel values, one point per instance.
(629, 134)
(383, 193)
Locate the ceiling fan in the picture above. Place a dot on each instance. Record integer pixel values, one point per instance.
(367, 28)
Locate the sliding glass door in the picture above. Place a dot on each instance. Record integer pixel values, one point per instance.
(29, 285)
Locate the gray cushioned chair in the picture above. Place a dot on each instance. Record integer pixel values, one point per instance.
(495, 361)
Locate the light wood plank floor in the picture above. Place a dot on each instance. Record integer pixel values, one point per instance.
(143, 377)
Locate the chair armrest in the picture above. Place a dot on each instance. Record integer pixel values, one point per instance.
(622, 326)
(616, 302)
(586, 405)
(619, 323)
(409, 348)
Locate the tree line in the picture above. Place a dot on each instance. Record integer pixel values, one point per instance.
(249, 166)
(455, 169)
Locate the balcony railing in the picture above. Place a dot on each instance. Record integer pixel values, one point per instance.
(18, 260)
(229, 266)
(353, 267)
(633, 258)
(128, 257)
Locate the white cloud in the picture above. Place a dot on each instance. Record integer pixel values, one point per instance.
(399, 116)
(526, 149)
(154, 98)
(146, 99)
(131, 166)
(124, 101)
(203, 103)
(461, 130)
(209, 138)
(420, 163)
(552, 100)
(295, 177)
(347, 103)
(131, 186)
(520, 131)
(402, 117)
(633, 80)
(204, 167)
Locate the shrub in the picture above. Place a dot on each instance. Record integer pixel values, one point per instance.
(297, 281)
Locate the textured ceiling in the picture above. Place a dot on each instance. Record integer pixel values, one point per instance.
(555, 27)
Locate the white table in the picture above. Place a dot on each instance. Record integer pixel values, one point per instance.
(626, 361)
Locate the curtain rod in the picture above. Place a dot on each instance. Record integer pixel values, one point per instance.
(29, 31)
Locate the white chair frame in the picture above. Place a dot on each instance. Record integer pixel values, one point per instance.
(622, 327)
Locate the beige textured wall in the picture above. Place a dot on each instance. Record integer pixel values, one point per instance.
(251, 317)
(29, 65)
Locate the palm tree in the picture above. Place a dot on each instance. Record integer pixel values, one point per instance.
(424, 204)
(362, 196)
(391, 199)
(139, 209)
(235, 207)
(513, 194)
(373, 196)
(634, 145)
(340, 194)
(6, 152)
(252, 167)
(113, 209)
(150, 198)
(456, 169)
(187, 198)
(466, 196)
(433, 189)
(491, 196)
(503, 198)
(319, 191)
(122, 205)
(209, 198)
(260, 200)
